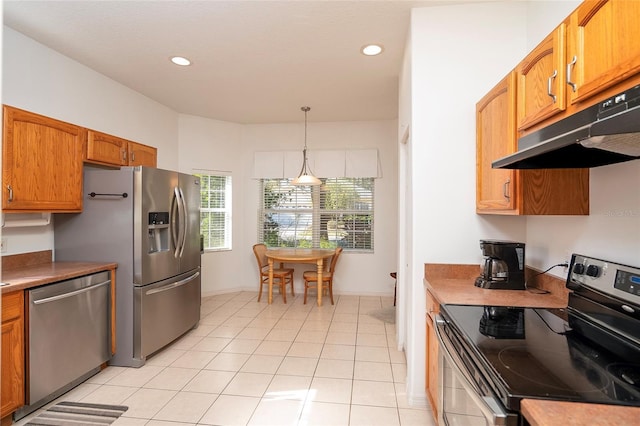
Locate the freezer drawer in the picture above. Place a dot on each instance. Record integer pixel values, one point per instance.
(164, 311)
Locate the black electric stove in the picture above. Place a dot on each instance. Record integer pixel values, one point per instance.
(587, 352)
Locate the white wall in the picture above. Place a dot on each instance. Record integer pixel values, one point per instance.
(38, 79)
(217, 146)
(358, 273)
(41, 80)
(457, 54)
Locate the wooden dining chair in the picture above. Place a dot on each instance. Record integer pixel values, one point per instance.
(281, 275)
(327, 277)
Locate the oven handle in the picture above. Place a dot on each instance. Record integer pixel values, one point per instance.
(490, 407)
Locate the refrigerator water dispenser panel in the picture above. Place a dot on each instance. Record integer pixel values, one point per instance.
(158, 231)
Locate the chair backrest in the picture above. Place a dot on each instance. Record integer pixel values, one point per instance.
(334, 259)
(260, 251)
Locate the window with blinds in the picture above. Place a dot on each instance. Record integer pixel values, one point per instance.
(215, 211)
(338, 213)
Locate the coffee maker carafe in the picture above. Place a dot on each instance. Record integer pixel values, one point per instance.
(503, 266)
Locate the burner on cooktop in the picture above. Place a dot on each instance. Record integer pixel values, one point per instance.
(501, 322)
(527, 370)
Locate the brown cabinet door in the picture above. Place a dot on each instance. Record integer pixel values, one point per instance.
(495, 138)
(41, 163)
(104, 148)
(12, 391)
(604, 46)
(541, 81)
(432, 367)
(432, 362)
(142, 155)
(112, 150)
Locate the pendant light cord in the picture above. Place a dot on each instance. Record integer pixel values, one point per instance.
(306, 109)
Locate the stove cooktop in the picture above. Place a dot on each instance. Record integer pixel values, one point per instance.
(534, 353)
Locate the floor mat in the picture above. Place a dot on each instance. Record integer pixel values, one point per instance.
(387, 315)
(78, 413)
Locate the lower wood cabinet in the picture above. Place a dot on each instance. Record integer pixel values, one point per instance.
(12, 372)
(433, 308)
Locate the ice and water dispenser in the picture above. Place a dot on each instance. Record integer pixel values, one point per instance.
(158, 231)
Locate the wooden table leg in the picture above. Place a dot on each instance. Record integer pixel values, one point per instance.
(320, 267)
(270, 281)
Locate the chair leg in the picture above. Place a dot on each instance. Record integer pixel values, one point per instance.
(291, 281)
(331, 290)
(306, 287)
(260, 293)
(283, 289)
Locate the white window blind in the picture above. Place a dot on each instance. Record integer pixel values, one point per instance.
(215, 210)
(339, 213)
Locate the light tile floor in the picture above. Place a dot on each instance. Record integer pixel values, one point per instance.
(249, 363)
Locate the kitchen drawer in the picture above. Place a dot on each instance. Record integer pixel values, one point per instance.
(11, 306)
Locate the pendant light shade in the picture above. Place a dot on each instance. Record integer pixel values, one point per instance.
(305, 177)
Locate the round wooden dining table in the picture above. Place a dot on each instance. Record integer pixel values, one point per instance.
(288, 255)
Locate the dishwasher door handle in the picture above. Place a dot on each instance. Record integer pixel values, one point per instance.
(71, 294)
(172, 285)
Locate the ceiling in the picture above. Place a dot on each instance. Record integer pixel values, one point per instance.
(252, 61)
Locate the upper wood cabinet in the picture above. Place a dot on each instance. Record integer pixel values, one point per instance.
(541, 81)
(496, 138)
(41, 163)
(12, 395)
(519, 192)
(142, 155)
(114, 151)
(603, 46)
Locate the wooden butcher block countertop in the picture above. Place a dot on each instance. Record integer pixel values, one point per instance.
(24, 271)
(454, 284)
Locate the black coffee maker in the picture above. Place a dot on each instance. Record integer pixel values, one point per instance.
(503, 266)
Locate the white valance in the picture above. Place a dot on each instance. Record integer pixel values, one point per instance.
(268, 164)
(323, 163)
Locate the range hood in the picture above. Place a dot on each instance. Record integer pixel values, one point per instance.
(604, 133)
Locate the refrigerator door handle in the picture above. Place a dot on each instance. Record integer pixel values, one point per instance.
(175, 216)
(172, 285)
(184, 221)
(181, 222)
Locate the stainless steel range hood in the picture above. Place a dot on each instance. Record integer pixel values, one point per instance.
(605, 133)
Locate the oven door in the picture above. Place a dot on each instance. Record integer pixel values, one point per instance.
(465, 396)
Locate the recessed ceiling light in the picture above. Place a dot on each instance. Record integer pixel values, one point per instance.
(372, 49)
(179, 60)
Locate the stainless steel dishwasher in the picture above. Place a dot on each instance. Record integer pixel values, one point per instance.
(68, 336)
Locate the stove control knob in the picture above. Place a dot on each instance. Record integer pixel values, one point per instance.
(593, 271)
(578, 269)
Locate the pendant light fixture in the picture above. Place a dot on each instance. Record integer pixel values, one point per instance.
(306, 177)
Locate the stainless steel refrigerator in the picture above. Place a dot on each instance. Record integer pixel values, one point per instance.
(148, 221)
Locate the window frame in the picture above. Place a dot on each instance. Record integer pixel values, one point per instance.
(227, 210)
(319, 215)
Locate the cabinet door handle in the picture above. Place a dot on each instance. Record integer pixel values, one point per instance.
(133, 156)
(124, 155)
(569, 67)
(506, 189)
(10, 193)
(549, 81)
